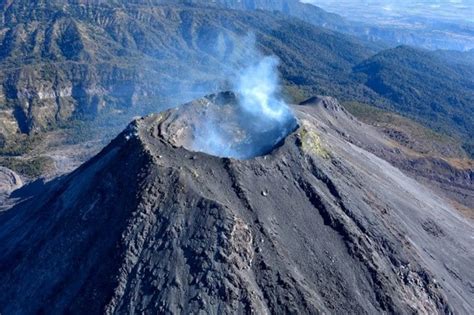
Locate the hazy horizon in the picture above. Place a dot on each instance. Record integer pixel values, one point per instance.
(459, 11)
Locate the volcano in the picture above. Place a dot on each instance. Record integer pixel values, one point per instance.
(311, 223)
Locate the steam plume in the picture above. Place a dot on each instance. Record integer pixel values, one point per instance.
(260, 119)
(258, 87)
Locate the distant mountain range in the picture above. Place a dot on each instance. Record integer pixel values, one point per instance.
(428, 24)
(426, 87)
(424, 31)
(58, 62)
(64, 61)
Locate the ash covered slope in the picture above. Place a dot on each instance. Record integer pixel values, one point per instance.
(317, 225)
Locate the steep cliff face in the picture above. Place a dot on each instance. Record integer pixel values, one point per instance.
(74, 59)
(317, 225)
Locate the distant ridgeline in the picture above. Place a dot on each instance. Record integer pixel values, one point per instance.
(63, 60)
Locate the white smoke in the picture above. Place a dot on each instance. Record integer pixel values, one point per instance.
(258, 87)
(263, 118)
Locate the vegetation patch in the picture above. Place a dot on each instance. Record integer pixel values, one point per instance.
(32, 168)
(19, 144)
(408, 133)
(423, 87)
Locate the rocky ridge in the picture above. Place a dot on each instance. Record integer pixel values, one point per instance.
(449, 177)
(318, 225)
(74, 59)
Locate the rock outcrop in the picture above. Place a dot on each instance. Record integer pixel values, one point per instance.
(9, 180)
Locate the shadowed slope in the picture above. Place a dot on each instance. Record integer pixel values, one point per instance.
(318, 225)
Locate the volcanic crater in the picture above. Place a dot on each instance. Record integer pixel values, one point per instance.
(218, 125)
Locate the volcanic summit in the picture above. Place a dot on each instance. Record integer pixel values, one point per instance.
(218, 125)
(308, 221)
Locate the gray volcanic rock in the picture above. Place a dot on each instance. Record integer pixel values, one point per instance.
(9, 180)
(456, 183)
(319, 225)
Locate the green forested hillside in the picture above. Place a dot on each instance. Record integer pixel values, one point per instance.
(59, 62)
(425, 87)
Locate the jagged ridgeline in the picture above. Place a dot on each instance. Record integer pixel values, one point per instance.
(74, 59)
